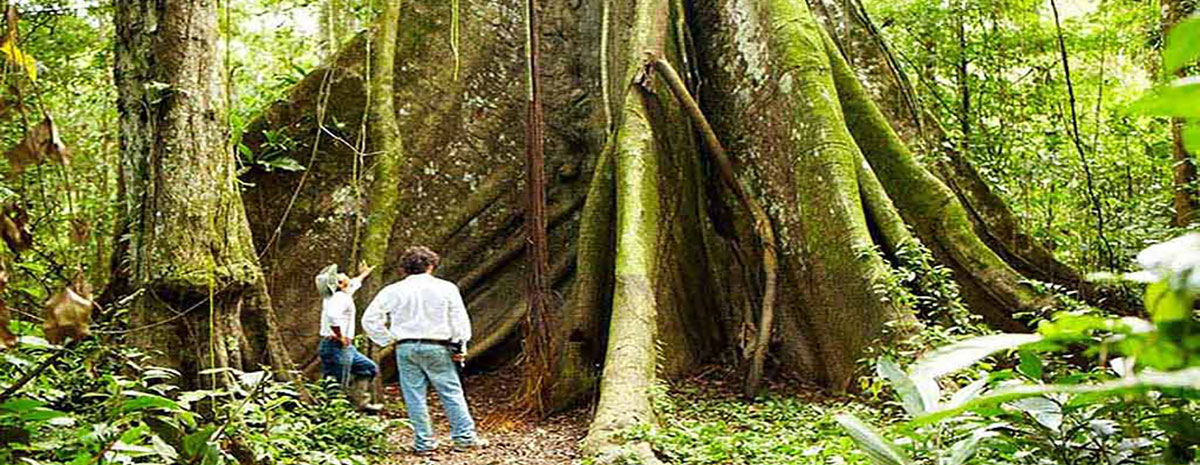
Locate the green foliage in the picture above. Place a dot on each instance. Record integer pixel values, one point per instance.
(273, 153)
(1179, 98)
(701, 426)
(1013, 124)
(1137, 401)
(99, 401)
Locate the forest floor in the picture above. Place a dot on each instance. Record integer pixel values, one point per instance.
(554, 440)
(703, 420)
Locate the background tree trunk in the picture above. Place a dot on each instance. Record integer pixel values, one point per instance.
(1186, 201)
(386, 157)
(205, 302)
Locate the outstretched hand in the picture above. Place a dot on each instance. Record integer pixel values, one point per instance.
(458, 357)
(364, 270)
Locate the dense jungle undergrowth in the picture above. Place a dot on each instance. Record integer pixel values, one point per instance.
(686, 231)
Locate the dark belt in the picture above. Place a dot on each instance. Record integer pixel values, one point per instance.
(452, 345)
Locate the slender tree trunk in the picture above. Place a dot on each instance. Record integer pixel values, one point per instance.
(1186, 201)
(336, 23)
(1106, 253)
(384, 139)
(539, 323)
(964, 84)
(387, 157)
(189, 246)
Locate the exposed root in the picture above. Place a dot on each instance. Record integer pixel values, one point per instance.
(580, 344)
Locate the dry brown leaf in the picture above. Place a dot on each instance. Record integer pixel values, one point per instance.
(7, 338)
(68, 315)
(14, 228)
(27, 152)
(55, 149)
(80, 230)
(40, 144)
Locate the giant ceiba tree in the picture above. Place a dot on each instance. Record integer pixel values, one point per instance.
(663, 217)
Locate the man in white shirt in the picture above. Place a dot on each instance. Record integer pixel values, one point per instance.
(339, 359)
(430, 327)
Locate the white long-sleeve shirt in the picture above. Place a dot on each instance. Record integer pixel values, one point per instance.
(338, 310)
(420, 306)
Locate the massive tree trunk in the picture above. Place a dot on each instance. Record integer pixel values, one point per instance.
(204, 302)
(659, 261)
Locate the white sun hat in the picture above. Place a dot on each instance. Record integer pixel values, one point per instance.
(327, 280)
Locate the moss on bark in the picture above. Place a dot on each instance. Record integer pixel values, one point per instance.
(189, 246)
(384, 138)
(993, 289)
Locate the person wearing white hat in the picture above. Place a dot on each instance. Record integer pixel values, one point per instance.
(339, 359)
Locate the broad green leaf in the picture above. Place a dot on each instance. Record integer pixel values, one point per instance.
(968, 392)
(1165, 304)
(1187, 381)
(1031, 364)
(283, 163)
(134, 434)
(878, 448)
(148, 401)
(906, 389)
(930, 392)
(164, 450)
(213, 371)
(1045, 411)
(965, 353)
(194, 444)
(1191, 136)
(132, 450)
(1182, 46)
(41, 414)
(36, 342)
(20, 405)
(1180, 98)
(962, 450)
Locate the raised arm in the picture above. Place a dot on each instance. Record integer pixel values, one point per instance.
(375, 319)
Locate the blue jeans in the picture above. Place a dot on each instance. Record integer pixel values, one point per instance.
(421, 365)
(338, 362)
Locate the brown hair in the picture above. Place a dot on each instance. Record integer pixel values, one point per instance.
(417, 259)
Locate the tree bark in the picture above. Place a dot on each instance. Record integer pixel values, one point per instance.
(664, 267)
(1186, 201)
(991, 218)
(537, 328)
(189, 244)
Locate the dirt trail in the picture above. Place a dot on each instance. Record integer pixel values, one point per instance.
(554, 440)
